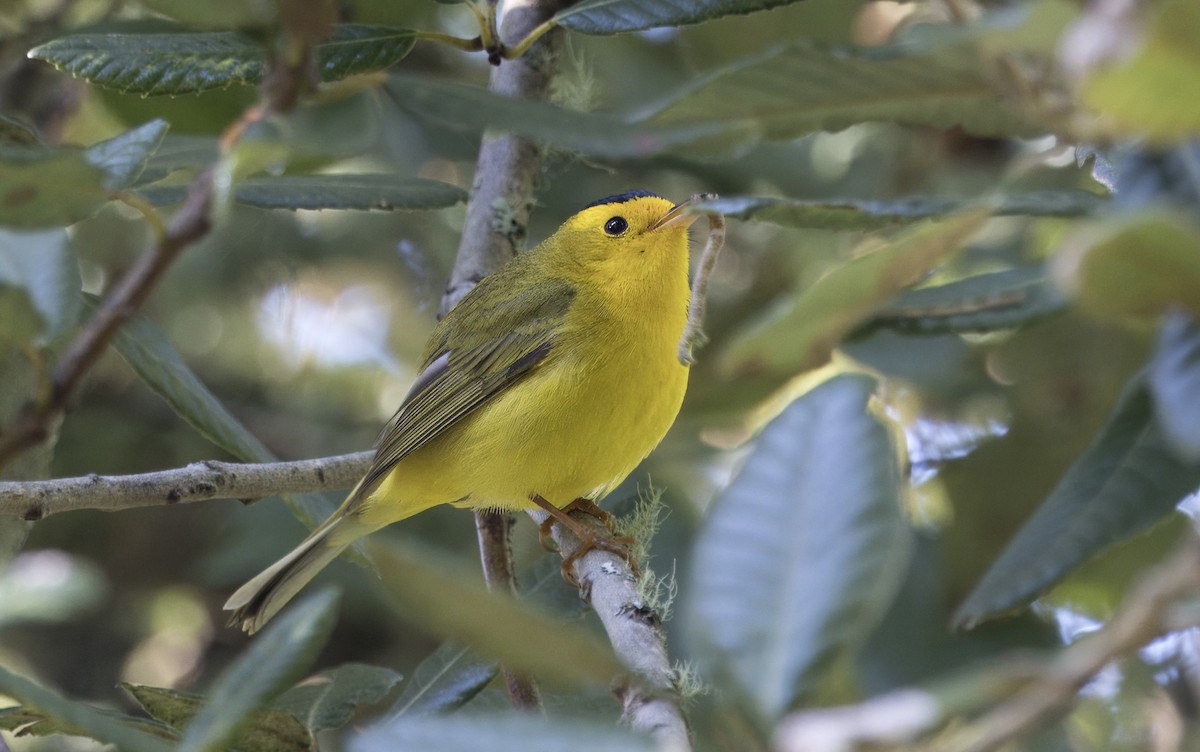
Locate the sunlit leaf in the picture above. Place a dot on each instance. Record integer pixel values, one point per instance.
(1133, 266)
(75, 718)
(865, 215)
(39, 285)
(1125, 482)
(981, 303)
(508, 732)
(265, 731)
(275, 659)
(804, 550)
(329, 699)
(338, 191)
(124, 157)
(616, 16)
(458, 606)
(188, 62)
(1175, 382)
(800, 333)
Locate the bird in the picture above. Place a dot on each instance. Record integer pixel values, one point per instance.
(545, 386)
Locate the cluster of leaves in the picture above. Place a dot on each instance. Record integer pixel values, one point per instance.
(811, 579)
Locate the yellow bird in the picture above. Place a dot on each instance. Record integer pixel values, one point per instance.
(546, 386)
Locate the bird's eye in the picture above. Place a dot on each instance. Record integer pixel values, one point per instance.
(616, 226)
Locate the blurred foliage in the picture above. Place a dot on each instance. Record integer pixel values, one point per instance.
(991, 210)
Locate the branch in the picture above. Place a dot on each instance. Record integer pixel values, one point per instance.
(199, 481)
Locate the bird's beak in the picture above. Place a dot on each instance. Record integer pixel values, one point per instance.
(677, 217)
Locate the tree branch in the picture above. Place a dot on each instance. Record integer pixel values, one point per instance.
(199, 481)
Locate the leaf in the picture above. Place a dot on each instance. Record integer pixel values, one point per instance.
(47, 187)
(800, 333)
(832, 89)
(1155, 92)
(123, 157)
(507, 732)
(217, 14)
(338, 191)
(177, 153)
(1127, 480)
(851, 214)
(39, 285)
(76, 718)
(617, 16)
(18, 132)
(329, 699)
(266, 731)
(458, 606)
(1174, 379)
(185, 63)
(981, 303)
(156, 361)
(803, 552)
(274, 660)
(1140, 265)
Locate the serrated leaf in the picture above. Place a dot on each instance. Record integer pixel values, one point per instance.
(340, 191)
(799, 333)
(797, 89)
(459, 607)
(1140, 265)
(1174, 378)
(329, 699)
(982, 303)
(123, 157)
(275, 660)
(617, 16)
(189, 62)
(507, 732)
(156, 361)
(266, 730)
(42, 268)
(47, 187)
(1127, 480)
(76, 718)
(851, 214)
(802, 553)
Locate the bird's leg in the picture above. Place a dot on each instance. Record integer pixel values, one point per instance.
(621, 545)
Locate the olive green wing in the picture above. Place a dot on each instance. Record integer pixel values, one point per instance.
(497, 335)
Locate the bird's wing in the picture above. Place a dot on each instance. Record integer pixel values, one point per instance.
(492, 339)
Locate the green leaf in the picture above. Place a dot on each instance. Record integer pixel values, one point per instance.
(1125, 482)
(75, 718)
(124, 157)
(1140, 265)
(156, 361)
(47, 187)
(456, 605)
(178, 153)
(275, 660)
(982, 303)
(1155, 92)
(39, 285)
(1175, 381)
(828, 90)
(266, 730)
(338, 191)
(185, 63)
(18, 132)
(800, 333)
(329, 699)
(507, 732)
(803, 552)
(850, 214)
(617, 16)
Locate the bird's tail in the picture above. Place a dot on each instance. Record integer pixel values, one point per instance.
(262, 597)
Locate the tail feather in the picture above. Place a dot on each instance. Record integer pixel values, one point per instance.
(262, 597)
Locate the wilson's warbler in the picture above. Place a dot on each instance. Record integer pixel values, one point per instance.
(550, 381)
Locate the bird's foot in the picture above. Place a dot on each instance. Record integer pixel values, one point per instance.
(589, 538)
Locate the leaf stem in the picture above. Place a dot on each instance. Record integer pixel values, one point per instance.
(475, 44)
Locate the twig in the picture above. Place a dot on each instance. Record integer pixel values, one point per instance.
(693, 334)
(1144, 615)
(651, 702)
(199, 481)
